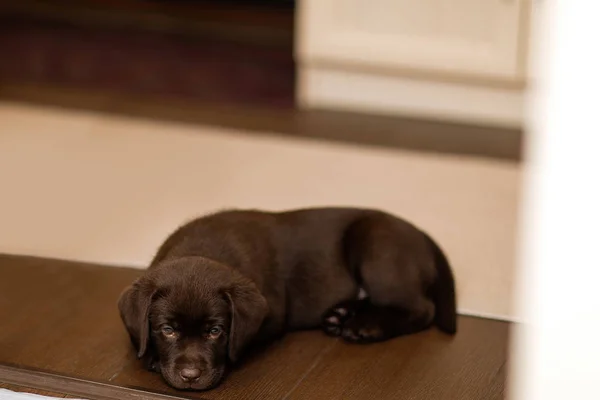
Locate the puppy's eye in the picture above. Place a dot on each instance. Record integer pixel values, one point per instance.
(168, 331)
(215, 332)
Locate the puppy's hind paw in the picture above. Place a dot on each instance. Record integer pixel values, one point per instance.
(355, 333)
(358, 321)
(334, 320)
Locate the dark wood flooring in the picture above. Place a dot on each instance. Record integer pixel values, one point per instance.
(61, 335)
(234, 51)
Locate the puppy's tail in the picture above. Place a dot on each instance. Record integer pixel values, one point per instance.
(443, 291)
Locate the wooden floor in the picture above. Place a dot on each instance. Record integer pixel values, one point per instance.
(61, 334)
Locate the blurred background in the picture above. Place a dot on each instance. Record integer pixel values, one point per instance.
(120, 119)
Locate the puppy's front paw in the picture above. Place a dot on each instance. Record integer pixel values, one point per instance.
(151, 364)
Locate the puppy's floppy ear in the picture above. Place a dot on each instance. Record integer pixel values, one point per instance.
(248, 310)
(134, 307)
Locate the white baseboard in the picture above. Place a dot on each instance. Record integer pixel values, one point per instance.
(498, 317)
(320, 87)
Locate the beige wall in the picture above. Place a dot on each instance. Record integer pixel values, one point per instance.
(85, 186)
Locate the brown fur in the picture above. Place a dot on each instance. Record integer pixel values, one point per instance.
(226, 281)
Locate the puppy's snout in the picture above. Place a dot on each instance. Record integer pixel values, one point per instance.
(190, 374)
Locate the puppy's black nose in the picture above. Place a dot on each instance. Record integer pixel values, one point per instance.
(190, 374)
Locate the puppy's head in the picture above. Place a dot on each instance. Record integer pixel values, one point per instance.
(190, 317)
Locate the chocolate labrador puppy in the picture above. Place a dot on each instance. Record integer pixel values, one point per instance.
(233, 279)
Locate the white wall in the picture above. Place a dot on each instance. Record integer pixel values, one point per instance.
(89, 187)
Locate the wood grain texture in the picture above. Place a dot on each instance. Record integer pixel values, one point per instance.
(425, 366)
(62, 333)
(62, 317)
(271, 374)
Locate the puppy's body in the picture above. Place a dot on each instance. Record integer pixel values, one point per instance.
(304, 269)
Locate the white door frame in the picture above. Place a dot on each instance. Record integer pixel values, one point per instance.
(556, 353)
